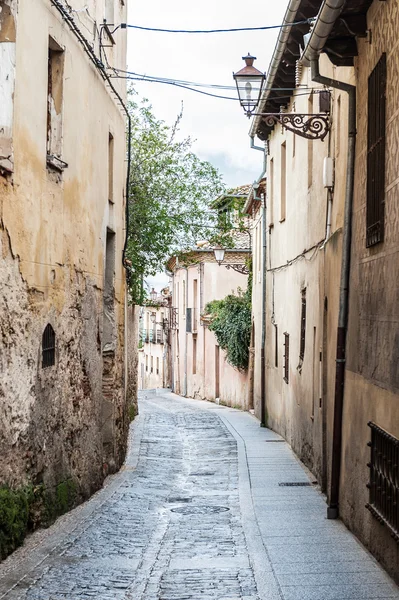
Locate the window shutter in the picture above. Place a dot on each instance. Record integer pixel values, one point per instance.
(376, 153)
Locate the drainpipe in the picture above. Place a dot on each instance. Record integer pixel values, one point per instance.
(333, 507)
(186, 340)
(263, 324)
(263, 342)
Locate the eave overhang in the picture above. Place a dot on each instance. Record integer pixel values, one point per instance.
(340, 47)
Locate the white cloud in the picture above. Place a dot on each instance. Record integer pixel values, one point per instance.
(219, 127)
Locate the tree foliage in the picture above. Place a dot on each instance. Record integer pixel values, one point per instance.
(231, 324)
(169, 196)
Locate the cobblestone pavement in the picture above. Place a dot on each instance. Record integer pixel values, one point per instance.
(189, 518)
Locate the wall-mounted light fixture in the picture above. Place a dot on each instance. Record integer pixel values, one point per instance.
(219, 257)
(250, 83)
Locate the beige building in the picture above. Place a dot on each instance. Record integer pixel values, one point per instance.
(63, 414)
(199, 365)
(154, 342)
(331, 266)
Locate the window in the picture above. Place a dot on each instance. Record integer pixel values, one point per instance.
(286, 357)
(283, 183)
(152, 364)
(48, 347)
(146, 362)
(55, 90)
(270, 185)
(376, 154)
(194, 355)
(157, 365)
(276, 345)
(110, 167)
(194, 315)
(384, 482)
(7, 83)
(303, 330)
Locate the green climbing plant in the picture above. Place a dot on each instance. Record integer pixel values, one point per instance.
(230, 320)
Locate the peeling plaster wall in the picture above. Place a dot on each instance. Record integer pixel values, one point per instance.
(69, 420)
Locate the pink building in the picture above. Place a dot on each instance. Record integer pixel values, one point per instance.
(199, 366)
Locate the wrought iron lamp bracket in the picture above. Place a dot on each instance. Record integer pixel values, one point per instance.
(310, 126)
(239, 267)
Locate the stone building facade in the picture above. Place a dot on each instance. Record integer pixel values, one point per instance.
(63, 409)
(351, 453)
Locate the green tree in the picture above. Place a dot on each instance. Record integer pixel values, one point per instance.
(169, 197)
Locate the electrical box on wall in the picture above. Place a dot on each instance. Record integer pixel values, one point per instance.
(328, 172)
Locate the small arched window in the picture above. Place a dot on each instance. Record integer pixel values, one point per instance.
(48, 347)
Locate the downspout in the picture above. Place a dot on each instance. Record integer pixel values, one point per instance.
(263, 342)
(333, 506)
(263, 323)
(186, 340)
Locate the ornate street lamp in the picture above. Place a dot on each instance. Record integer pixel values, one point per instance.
(219, 255)
(249, 82)
(239, 267)
(153, 295)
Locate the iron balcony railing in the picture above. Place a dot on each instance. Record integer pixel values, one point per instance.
(384, 479)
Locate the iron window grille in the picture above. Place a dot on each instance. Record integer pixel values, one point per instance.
(174, 318)
(376, 153)
(384, 479)
(48, 347)
(189, 323)
(303, 331)
(286, 357)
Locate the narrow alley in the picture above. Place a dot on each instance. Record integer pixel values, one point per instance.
(198, 512)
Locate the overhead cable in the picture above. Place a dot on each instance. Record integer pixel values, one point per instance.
(233, 30)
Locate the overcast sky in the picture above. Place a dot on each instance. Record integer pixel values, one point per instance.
(219, 127)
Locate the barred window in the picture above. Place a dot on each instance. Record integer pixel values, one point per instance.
(303, 330)
(286, 357)
(48, 347)
(384, 483)
(376, 154)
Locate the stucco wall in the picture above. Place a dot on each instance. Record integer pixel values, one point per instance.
(297, 259)
(372, 376)
(68, 420)
(213, 283)
(152, 352)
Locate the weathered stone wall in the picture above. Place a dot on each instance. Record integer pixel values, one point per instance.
(61, 240)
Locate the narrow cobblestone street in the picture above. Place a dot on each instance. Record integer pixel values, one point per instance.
(198, 512)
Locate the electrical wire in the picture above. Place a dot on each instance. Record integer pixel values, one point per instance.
(233, 30)
(175, 85)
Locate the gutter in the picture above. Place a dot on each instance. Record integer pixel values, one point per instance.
(329, 12)
(289, 17)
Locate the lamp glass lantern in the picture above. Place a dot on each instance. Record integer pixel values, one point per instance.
(219, 255)
(249, 82)
(153, 295)
(153, 317)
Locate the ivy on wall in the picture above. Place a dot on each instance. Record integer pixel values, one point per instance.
(230, 320)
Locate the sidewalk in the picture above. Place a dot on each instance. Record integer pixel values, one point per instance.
(298, 553)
